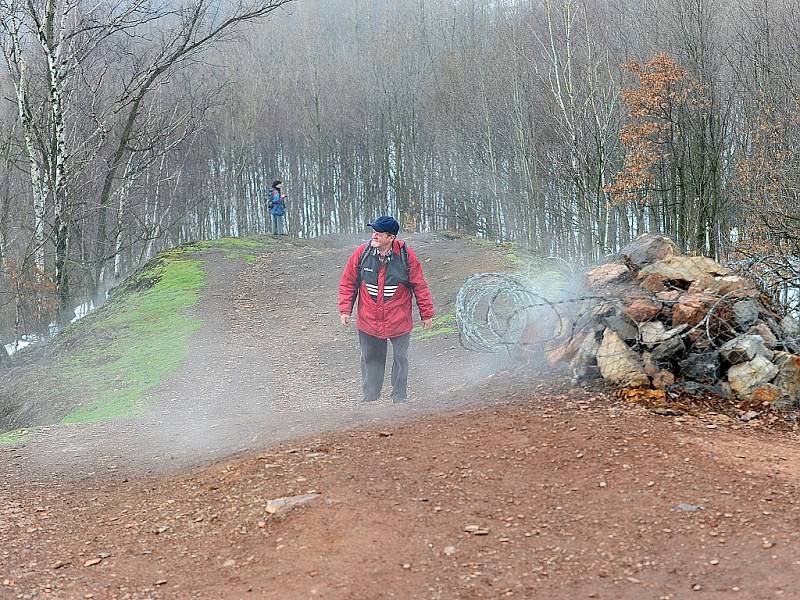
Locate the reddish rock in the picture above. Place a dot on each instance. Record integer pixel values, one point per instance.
(767, 393)
(770, 341)
(692, 308)
(563, 353)
(560, 354)
(642, 309)
(536, 333)
(654, 283)
(668, 296)
(566, 352)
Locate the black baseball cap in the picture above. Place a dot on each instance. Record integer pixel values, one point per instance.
(385, 224)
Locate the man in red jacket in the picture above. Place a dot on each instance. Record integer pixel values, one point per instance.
(383, 274)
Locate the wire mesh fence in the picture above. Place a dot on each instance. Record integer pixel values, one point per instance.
(648, 319)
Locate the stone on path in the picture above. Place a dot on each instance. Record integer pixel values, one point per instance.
(279, 506)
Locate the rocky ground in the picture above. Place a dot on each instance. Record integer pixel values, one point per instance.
(484, 486)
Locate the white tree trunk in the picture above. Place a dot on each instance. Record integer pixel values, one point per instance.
(18, 68)
(122, 209)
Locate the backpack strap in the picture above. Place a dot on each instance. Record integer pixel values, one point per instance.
(404, 260)
(361, 261)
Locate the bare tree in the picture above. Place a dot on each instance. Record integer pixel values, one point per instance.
(142, 125)
(153, 41)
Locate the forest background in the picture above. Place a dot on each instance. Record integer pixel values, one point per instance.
(566, 126)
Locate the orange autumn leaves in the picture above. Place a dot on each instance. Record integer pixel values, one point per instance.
(655, 107)
(668, 117)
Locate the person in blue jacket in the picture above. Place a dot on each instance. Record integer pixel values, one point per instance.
(277, 208)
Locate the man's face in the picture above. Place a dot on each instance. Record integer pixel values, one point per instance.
(381, 239)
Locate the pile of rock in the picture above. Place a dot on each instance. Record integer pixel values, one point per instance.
(656, 318)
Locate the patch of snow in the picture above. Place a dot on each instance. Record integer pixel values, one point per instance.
(25, 340)
(83, 310)
(28, 339)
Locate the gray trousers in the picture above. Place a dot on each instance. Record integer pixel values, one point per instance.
(277, 225)
(373, 365)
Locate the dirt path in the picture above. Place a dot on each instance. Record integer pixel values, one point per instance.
(519, 488)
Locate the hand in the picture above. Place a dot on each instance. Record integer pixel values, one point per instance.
(427, 323)
(345, 319)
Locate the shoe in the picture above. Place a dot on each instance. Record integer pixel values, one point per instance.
(369, 399)
(400, 400)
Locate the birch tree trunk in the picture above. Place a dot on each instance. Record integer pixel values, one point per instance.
(17, 62)
(48, 35)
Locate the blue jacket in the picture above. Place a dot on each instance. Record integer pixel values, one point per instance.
(277, 205)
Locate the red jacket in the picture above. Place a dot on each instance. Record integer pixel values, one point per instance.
(384, 296)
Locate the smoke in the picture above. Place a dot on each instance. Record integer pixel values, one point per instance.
(520, 314)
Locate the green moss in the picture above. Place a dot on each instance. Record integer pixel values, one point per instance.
(442, 325)
(11, 438)
(138, 341)
(516, 256)
(107, 362)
